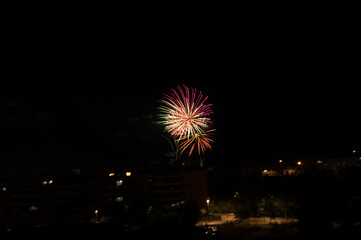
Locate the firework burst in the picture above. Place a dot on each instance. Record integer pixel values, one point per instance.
(186, 118)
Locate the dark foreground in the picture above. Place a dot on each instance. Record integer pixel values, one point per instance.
(285, 231)
(105, 231)
(174, 232)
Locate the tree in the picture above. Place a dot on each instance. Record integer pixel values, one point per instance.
(189, 213)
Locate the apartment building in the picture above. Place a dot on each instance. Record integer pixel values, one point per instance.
(80, 197)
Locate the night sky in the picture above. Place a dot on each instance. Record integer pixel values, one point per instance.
(80, 85)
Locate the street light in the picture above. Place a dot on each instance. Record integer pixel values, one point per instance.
(96, 215)
(207, 201)
(299, 163)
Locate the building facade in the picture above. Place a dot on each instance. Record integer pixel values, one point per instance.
(79, 197)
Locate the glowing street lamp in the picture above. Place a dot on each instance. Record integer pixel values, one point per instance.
(96, 215)
(299, 163)
(207, 201)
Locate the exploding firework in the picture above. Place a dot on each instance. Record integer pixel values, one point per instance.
(186, 118)
(184, 114)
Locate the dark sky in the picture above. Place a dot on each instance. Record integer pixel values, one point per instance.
(80, 84)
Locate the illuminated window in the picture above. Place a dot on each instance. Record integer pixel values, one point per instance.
(119, 199)
(175, 204)
(76, 171)
(119, 182)
(33, 208)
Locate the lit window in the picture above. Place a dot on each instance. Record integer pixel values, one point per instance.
(175, 204)
(119, 182)
(33, 208)
(128, 174)
(119, 199)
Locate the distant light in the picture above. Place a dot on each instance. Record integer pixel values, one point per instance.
(265, 170)
(299, 163)
(319, 161)
(280, 161)
(128, 174)
(111, 174)
(50, 181)
(44, 182)
(354, 151)
(3, 189)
